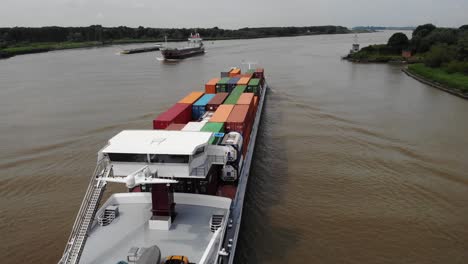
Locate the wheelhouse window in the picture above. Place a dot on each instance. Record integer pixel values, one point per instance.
(126, 157)
(199, 151)
(159, 158)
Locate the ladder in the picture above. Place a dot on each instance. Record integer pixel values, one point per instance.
(86, 215)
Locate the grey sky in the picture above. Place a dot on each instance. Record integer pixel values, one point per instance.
(232, 13)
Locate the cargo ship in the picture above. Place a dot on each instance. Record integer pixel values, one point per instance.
(141, 50)
(186, 180)
(194, 47)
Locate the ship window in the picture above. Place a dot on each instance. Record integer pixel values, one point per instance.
(159, 158)
(126, 157)
(199, 151)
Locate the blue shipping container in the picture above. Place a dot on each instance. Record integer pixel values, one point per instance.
(232, 84)
(198, 108)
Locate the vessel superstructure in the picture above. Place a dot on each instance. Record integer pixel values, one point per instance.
(186, 181)
(194, 47)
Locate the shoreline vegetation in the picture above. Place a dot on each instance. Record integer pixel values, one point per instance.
(435, 56)
(456, 83)
(21, 40)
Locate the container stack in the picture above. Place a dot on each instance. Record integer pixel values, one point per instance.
(234, 72)
(194, 126)
(232, 83)
(235, 94)
(219, 99)
(228, 104)
(210, 86)
(215, 127)
(180, 113)
(199, 107)
(222, 85)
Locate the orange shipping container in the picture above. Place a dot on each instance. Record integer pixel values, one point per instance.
(234, 72)
(246, 99)
(222, 113)
(210, 87)
(243, 81)
(191, 98)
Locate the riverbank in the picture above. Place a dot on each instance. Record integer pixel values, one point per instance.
(38, 47)
(454, 83)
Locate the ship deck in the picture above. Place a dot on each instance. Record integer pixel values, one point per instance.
(189, 235)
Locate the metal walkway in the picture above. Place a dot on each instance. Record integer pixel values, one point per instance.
(86, 215)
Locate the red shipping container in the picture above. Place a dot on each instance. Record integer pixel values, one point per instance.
(178, 113)
(259, 73)
(239, 119)
(213, 104)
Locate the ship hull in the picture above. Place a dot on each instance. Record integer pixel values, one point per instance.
(178, 54)
(238, 202)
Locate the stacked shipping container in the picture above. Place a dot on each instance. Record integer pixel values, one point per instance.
(233, 99)
(234, 72)
(191, 98)
(199, 107)
(234, 96)
(179, 114)
(210, 86)
(216, 101)
(221, 114)
(231, 84)
(193, 126)
(221, 86)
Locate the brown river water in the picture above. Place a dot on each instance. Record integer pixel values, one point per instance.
(354, 163)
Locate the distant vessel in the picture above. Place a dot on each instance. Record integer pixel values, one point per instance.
(140, 50)
(194, 47)
(186, 181)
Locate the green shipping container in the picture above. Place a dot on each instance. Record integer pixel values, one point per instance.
(235, 94)
(251, 71)
(254, 86)
(215, 128)
(221, 86)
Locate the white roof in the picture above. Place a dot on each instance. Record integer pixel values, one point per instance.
(157, 142)
(194, 126)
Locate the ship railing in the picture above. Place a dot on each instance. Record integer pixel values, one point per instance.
(210, 254)
(69, 256)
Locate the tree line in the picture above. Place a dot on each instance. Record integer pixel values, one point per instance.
(438, 47)
(18, 35)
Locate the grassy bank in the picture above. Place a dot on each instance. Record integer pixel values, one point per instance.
(44, 47)
(457, 81)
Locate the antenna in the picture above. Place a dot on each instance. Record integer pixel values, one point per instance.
(165, 40)
(355, 39)
(250, 63)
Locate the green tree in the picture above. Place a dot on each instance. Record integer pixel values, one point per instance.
(398, 41)
(462, 46)
(439, 54)
(423, 30)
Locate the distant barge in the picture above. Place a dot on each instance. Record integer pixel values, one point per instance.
(140, 50)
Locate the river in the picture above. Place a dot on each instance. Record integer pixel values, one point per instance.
(354, 163)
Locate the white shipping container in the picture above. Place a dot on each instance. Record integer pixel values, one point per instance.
(194, 126)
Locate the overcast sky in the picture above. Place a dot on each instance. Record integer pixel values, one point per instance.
(232, 13)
